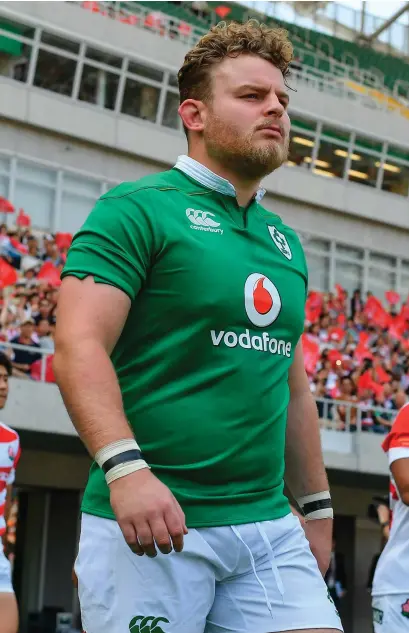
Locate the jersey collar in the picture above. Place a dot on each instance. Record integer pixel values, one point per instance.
(208, 178)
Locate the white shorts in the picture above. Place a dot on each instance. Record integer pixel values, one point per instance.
(5, 573)
(391, 613)
(252, 578)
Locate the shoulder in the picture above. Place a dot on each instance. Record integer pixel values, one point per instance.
(161, 182)
(7, 434)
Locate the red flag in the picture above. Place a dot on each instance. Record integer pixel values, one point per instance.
(8, 274)
(311, 351)
(222, 11)
(365, 381)
(361, 352)
(35, 369)
(392, 297)
(363, 338)
(6, 206)
(341, 292)
(314, 299)
(63, 240)
(21, 248)
(382, 375)
(50, 273)
(23, 219)
(377, 313)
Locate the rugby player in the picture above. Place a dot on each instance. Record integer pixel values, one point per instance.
(9, 456)
(390, 588)
(178, 356)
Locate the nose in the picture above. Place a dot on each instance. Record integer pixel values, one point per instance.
(274, 107)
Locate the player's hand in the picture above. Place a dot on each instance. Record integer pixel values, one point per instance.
(319, 535)
(147, 513)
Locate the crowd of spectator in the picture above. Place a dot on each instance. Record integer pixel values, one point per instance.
(30, 268)
(357, 353)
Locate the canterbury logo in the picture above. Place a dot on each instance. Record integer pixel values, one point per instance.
(149, 624)
(200, 218)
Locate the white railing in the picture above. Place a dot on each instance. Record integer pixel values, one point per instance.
(343, 416)
(7, 347)
(338, 86)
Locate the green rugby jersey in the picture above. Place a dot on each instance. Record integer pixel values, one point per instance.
(218, 296)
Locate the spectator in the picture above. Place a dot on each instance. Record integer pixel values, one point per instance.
(23, 359)
(346, 416)
(45, 333)
(44, 309)
(356, 303)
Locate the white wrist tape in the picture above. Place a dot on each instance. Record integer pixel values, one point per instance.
(316, 506)
(132, 459)
(124, 469)
(113, 449)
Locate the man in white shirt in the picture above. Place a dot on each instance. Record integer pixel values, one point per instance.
(390, 590)
(9, 456)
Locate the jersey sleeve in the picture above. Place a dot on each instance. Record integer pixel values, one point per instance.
(115, 245)
(17, 451)
(396, 443)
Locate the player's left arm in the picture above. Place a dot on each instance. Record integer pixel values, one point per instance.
(305, 471)
(397, 446)
(9, 489)
(400, 473)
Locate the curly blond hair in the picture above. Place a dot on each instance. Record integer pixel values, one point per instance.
(231, 40)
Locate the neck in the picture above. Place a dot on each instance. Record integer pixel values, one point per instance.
(245, 188)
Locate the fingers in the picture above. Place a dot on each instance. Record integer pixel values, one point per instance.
(161, 535)
(176, 527)
(131, 538)
(145, 538)
(182, 517)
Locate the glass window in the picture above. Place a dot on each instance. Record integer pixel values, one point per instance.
(328, 162)
(318, 271)
(16, 66)
(316, 243)
(54, 72)
(37, 200)
(145, 71)
(170, 113)
(59, 42)
(364, 169)
(104, 58)
(303, 124)
(4, 164)
(140, 100)
(300, 152)
(349, 251)
(365, 143)
(382, 260)
(36, 174)
(98, 87)
(335, 134)
(4, 186)
(82, 186)
(404, 287)
(395, 178)
(75, 209)
(173, 80)
(348, 275)
(393, 151)
(380, 281)
(405, 266)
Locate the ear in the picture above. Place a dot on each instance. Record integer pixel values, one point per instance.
(193, 115)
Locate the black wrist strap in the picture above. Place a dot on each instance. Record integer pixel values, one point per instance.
(313, 506)
(122, 458)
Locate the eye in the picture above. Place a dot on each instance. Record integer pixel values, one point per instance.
(252, 96)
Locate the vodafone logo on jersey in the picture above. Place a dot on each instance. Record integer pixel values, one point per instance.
(261, 299)
(262, 303)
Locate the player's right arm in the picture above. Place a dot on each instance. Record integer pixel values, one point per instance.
(93, 306)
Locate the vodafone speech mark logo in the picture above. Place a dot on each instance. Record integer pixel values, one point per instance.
(263, 305)
(261, 299)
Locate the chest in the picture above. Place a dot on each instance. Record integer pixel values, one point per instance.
(224, 269)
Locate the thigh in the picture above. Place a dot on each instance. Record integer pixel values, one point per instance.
(9, 613)
(284, 592)
(391, 614)
(119, 591)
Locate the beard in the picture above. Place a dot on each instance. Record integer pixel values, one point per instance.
(225, 143)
